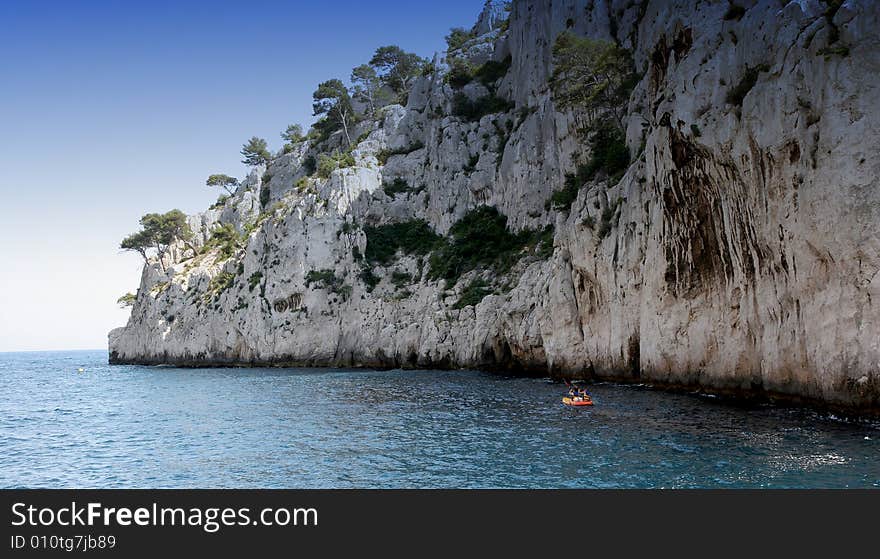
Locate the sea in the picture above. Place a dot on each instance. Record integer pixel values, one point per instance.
(70, 420)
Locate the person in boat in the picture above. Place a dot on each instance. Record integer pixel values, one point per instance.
(582, 392)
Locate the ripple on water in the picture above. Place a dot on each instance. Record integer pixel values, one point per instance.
(165, 427)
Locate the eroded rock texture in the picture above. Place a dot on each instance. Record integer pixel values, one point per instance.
(739, 253)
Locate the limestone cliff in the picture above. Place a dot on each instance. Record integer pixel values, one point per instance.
(738, 253)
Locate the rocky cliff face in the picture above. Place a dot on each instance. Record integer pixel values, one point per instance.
(739, 252)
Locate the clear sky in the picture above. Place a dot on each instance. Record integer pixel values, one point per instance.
(111, 109)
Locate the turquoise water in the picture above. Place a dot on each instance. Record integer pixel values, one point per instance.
(143, 427)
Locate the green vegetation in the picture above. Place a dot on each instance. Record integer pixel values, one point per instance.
(457, 37)
(346, 228)
(366, 86)
(370, 279)
(593, 75)
(398, 186)
(738, 93)
(471, 164)
(543, 240)
(609, 155)
(473, 111)
(158, 232)
(386, 154)
(695, 130)
(333, 102)
(562, 199)
(492, 71)
(126, 300)
(293, 134)
(302, 184)
(397, 69)
(326, 279)
(227, 183)
(265, 196)
(473, 294)
(410, 237)
(255, 152)
(337, 160)
(255, 280)
(220, 283)
(608, 215)
(220, 203)
(310, 165)
(400, 279)
(481, 240)
(460, 73)
(839, 50)
(226, 239)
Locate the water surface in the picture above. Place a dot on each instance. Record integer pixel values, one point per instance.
(158, 427)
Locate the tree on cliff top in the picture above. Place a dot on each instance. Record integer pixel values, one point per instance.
(158, 232)
(255, 152)
(227, 183)
(126, 300)
(592, 74)
(332, 101)
(367, 88)
(397, 68)
(293, 134)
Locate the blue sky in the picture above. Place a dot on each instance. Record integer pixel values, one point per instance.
(109, 110)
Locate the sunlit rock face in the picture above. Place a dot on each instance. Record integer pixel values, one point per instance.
(739, 252)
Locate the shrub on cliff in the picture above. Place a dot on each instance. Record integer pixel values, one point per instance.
(327, 279)
(220, 283)
(608, 154)
(397, 186)
(370, 279)
(329, 163)
(608, 151)
(410, 237)
(473, 111)
(592, 74)
(225, 238)
(384, 155)
(492, 71)
(460, 73)
(457, 37)
(481, 240)
(310, 165)
(473, 294)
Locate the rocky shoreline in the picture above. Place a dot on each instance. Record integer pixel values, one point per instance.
(736, 395)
